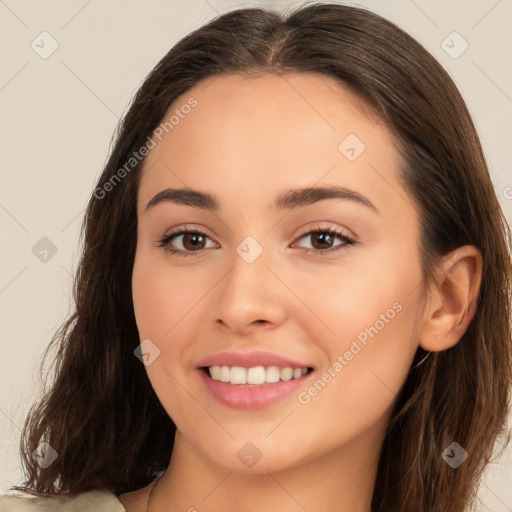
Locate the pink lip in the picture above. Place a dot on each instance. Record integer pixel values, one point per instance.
(250, 359)
(252, 397)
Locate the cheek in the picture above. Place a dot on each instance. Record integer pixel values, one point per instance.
(169, 306)
(164, 300)
(152, 300)
(361, 296)
(373, 318)
(162, 295)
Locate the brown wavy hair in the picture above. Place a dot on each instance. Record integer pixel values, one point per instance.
(100, 412)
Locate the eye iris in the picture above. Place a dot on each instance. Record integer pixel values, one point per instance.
(196, 241)
(322, 237)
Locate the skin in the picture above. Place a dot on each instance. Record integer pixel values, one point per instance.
(247, 141)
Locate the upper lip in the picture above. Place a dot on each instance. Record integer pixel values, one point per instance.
(250, 359)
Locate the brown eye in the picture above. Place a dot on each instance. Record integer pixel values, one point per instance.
(321, 240)
(193, 241)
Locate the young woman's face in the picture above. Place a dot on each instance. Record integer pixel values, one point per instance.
(307, 257)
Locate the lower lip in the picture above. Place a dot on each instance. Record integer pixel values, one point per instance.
(252, 397)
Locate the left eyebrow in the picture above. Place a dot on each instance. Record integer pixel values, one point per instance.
(306, 196)
(295, 198)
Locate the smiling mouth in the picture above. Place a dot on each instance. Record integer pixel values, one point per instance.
(254, 376)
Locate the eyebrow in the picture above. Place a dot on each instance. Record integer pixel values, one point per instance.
(291, 199)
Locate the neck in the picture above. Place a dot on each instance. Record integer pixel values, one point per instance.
(342, 480)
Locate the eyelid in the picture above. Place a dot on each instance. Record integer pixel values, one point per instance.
(325, 227)
(187, 228)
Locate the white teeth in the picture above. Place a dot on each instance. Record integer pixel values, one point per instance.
(256, 375)
(287, 373)
(272, 374)
(215, 372)
(238, 375)
(224, 373)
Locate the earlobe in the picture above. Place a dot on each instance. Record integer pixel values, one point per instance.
(452, 299)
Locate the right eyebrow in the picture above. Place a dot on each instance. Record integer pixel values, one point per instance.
(185, 196)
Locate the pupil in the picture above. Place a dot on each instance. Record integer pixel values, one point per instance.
(323, 238)
(191, 240)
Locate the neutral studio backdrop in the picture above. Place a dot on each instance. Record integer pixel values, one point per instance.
(69, 69)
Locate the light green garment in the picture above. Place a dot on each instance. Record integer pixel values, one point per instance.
(93, 501)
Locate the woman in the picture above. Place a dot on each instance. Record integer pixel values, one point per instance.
(294, 292)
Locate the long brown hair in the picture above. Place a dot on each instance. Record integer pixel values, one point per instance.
(101, 414)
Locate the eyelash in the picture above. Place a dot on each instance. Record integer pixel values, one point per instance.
(164, 242)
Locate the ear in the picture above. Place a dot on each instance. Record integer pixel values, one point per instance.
(452, 299)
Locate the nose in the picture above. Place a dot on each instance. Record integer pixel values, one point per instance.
(250, 295)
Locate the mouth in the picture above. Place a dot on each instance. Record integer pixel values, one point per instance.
(253, 379)
(254, 375)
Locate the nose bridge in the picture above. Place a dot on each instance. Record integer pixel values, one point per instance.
(249, 291)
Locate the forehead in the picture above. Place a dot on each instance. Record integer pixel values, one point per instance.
(268, 133)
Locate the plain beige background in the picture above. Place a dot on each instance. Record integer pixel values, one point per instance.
(59, 111)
